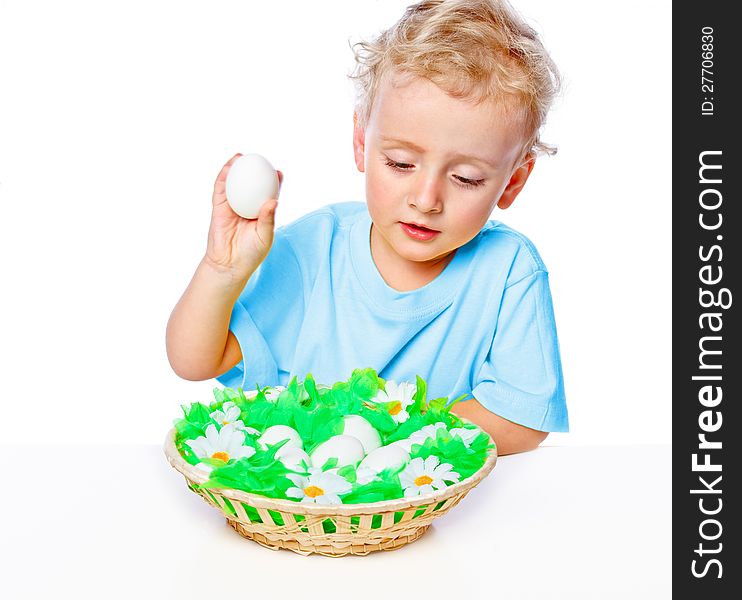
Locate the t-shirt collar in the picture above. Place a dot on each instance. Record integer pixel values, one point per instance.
(432, 297)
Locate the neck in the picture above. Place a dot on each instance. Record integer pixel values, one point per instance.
(400, 273)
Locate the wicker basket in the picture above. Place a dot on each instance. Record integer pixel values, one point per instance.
(335, 530)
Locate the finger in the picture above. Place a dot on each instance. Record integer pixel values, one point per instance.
(280, 179)
(220, 185)
(267, 220)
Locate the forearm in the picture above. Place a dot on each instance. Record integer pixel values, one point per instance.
(199, 324)
(509, 437)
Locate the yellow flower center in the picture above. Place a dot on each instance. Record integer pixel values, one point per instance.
(395, 408)
(313, 491)
(225, 422)
(221, 456)
(423, 480)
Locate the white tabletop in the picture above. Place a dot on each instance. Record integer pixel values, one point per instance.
(119, 522)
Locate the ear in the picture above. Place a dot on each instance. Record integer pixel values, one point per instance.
(359, 145)
(517, 181)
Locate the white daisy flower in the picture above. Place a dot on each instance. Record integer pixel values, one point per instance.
(271, 394)
(402, 395)
(224, 445)
(229, 415)
(428, 431)
(423, 477)
(466, 434)
(320, 487)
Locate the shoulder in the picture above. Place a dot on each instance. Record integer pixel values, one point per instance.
(338, 214)
(311, 235)
(500, 242)
(326, 218)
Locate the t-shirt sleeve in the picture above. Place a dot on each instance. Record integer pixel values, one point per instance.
(521, 378)
(266, 319)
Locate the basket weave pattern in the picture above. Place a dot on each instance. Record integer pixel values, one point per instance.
(336, 530)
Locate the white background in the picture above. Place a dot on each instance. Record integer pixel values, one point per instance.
(115, 119)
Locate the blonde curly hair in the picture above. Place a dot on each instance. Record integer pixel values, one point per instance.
(481, 50)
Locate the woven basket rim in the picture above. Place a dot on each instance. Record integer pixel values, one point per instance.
(303, 508)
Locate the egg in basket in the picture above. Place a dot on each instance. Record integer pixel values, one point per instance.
(362, 465)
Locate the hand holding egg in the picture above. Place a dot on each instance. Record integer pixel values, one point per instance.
(238, 244)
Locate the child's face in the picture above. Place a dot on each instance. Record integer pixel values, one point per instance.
(438, 162)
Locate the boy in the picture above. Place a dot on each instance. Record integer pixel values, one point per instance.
(417, 281)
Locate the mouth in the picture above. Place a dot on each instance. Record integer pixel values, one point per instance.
(418, 232)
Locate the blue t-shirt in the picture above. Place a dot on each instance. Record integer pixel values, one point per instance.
(485, 326)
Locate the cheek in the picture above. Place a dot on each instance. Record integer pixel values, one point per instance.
(470, 216)
(381, 189)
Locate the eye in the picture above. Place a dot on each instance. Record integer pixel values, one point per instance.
(469, 183)
(462, 181)
(397, 166)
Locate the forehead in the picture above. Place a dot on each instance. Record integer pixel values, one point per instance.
(416, 110)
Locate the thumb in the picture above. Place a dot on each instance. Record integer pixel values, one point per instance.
(267, 220)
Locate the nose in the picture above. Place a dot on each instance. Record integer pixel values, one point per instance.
(426, 194)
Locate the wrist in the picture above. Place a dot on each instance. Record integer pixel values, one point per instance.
(229, 277)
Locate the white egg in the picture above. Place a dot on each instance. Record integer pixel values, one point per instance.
(251, 181)
(361, 429)
(347, 449)
(385, 457)
(291, 457)
(277, 433)
(405, 444)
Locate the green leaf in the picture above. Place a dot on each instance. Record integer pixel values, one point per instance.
(438, 404)
(258, 415)
(199, 414)
(311, 389)
(374, 491)
(260, 396)
(364, 383)
(419, 397)
(267, 479)
(225, 395)
(379, 418)
(330, 463)
(349, 472)
(187, 430)
(326, 426)
(241, 401)
(282, 414)
(343, 400)
(304, 425)
(293, 391)
(415, 422)
(214, 462)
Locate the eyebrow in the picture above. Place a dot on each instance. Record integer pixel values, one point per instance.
(417, 148)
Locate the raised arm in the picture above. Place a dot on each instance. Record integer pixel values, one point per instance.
(199, 343)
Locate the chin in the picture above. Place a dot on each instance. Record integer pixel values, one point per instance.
(418, 251)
